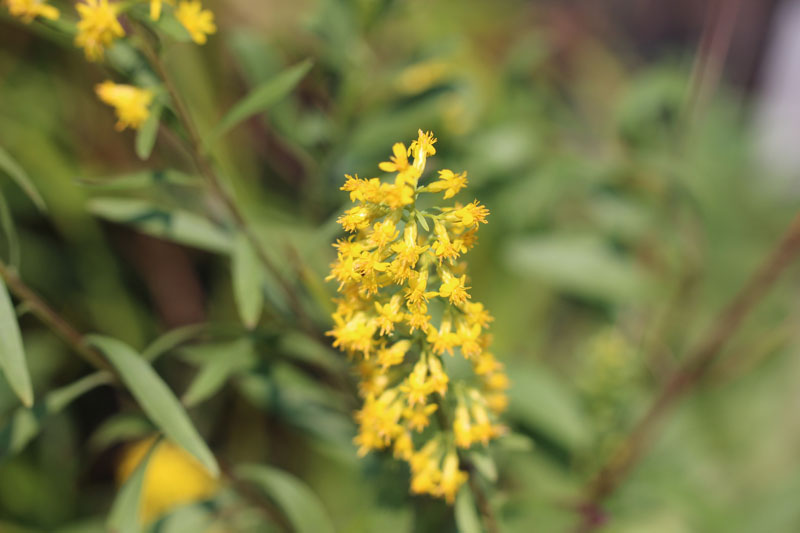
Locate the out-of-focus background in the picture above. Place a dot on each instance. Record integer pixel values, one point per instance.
(639, 159)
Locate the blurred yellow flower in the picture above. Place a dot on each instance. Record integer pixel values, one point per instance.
(98, 27)
(130, 103)
(27, 10)
(173, 478)
(198, 22)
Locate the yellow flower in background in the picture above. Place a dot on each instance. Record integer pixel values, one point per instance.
(27, 10)
(398, 328)
(130, 103)
(198, 22)
(173, 478)
(98, 27)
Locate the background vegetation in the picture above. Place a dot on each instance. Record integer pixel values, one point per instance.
(627, 211)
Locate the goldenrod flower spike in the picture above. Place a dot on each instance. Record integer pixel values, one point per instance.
(130, 103)
(98, 27)
(28, 10)
(198, 22)
(398, 262)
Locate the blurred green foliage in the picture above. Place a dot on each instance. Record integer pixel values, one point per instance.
(621, 223)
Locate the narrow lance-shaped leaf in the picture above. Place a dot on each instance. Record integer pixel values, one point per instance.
(226, 360)
(248, 279)
(261, 98)
(295, 499)
(10, 232)
(124, 516)
(173, 224)
(12, 354)
(18, 174)
(25, 423)
(172, 339)
(146, 136)
(156, 399)
(467, 518)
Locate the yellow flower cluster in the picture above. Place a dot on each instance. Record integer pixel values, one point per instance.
(27, 10)
(98, 25)
(131, 103)
(403, 304)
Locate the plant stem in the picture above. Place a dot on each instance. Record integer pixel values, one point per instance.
(203, 164)
(695, 366)
(51, 318)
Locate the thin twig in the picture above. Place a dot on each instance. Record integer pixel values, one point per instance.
(36, 305)
(201, 161)
(696, 364)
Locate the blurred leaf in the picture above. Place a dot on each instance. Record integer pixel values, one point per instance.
(10, 231)
(229, 359)
(171, 26)
(156, 399)
(18, 174)
(125, 512)
(295, 499)
(12, 354)
(467, 518)
(310, 350)
(484, 464)
(123, 427)
(172, 339)
(193, 518)
(26, 423)
(261, 98)
(173, 224)
(144, 179)
(582, 264)
(147, 133)
(539, 400)
(248, 279)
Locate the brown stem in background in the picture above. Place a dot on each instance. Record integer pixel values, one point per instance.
(201, 161)
(51, 318)
(695, 366)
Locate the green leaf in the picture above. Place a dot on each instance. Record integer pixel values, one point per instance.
(248, 280)
(173, 224)
(261, 99)
(146, 136)
(18, 174)
(12, 354)
(172, 339)
(155, 399)
(422, 221)
(539, 400)
(295, 499)
(122, 427)
(10, 231)
(467, 519)
(144, 179)
(25, 423)
(228, 359)
(582, 264)
(125, 516)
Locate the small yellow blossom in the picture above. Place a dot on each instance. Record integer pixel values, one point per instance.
(198, 22)
(449, 182)
(130, 103)
(27, 10)
(98, 27)
(386, 268)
